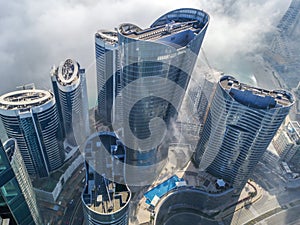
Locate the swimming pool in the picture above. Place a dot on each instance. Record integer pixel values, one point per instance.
(161, 189)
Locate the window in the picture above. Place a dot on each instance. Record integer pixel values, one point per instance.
(2, 165)
(10, 190)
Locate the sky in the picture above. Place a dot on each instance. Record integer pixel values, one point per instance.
(38, 34)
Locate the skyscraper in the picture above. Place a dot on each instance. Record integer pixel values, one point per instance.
(17, 199)
(241, 123)
(201, 95)
(290, 19)
(30, 116)
(156, 65)
(287, 144)
(69, 87)
(108, 73)
(105, 196)
(283, 53)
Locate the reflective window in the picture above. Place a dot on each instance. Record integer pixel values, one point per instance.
(2, 164)
(10, 190)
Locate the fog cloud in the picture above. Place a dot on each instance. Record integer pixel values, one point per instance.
(37, 34)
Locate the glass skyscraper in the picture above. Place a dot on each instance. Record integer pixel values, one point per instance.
(17, 199)
(69, 87)
(108, 73)
(105, 196)
(30, 116)
(241, 122)
(156, 65)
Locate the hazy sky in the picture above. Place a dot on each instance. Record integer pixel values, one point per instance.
(37, 34)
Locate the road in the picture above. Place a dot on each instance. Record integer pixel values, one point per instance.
(71, 197)
(77, 216)
(71, 190)
(288, 217)
(188, 218)
(275, 197)
(71, 208)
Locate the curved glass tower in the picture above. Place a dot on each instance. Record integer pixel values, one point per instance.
(30, 116)
(17, 198)
(105, 197)
(156, 65)
(69, 86)
(241, 123)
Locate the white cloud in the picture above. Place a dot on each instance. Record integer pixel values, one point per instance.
(37, 34)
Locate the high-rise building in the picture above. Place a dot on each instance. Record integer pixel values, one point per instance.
(283, 53)
(287, 144)
(69, 87)
(108, 73)
(296, 109)
(17, 198)
(156, 63)
(202, 93)
(105, 196)
(30, 116)
(290, 19)
(241, 123)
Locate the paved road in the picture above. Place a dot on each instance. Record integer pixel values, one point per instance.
(77, 217)
(287, 217)
(71, 188)
(274, 196)
(188, 218)
(71, 209)
(71, 194)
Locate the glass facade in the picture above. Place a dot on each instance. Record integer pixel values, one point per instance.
(105, 196)
(33, 121)
(156, 65)
(17, 199)
(241, 122)
(108, 73)
(69, 86)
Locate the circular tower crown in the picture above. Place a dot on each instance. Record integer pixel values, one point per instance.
(25, 99)
(68, 72)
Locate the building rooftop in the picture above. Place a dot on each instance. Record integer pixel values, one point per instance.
(67, 73)
(110, 37)
(102, 193)
(255, 97)
(109, 198)
(24, 99)
(155, 33)
(296, 126)
(293, 129)
(176, 34)
(176, 28)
